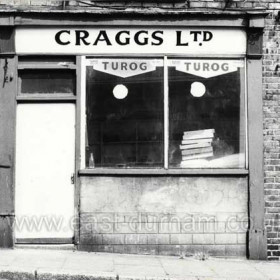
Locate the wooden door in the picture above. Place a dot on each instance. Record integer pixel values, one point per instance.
(45, 158)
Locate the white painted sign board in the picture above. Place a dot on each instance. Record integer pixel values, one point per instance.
(206, 68)
(125, 67)
(132, 40)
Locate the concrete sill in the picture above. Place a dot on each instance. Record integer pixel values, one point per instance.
(162, 172)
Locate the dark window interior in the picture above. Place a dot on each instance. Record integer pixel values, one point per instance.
(124, 132)
(47, 81)
(218, 109)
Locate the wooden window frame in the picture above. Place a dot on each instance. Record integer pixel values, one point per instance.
(45, 65)
(165, 169)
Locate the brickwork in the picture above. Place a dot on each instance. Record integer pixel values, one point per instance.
(271, 103)
(114, 233)
(177, 4)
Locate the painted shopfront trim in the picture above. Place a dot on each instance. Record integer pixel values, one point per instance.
(131, 40)
(163, 172)
(257, 233)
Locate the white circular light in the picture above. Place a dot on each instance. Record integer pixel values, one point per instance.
(198, 89)
(120, 91)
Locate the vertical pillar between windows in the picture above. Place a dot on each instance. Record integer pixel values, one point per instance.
(257, 235)
(166, 113)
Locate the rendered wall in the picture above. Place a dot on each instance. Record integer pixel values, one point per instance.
(164, 215)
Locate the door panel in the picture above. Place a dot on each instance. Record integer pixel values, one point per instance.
(45, 158)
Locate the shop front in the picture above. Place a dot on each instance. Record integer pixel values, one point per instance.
(140, 137)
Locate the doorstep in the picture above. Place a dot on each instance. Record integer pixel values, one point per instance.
(68, 247)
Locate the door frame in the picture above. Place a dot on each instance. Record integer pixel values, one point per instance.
(76, 67)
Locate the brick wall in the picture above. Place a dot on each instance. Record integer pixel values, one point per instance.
(271, 85)
(271, 103)
(212, 4)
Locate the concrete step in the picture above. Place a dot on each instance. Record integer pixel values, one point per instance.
(70, 247)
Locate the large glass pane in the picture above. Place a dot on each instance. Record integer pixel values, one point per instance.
(124, 110)
(206, 113)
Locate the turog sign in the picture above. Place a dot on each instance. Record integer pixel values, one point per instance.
(190, 41)
(125, 68)
(205, 68)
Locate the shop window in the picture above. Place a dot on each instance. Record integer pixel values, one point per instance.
(47, 81)
(124, 111)
(206, 114)
(127, 126)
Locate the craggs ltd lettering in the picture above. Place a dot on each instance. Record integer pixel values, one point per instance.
(126, 37)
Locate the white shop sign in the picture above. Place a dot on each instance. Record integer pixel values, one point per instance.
(136, 40)
(125, 68)
(206, 68)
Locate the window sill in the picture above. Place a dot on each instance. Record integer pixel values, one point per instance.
(162, 172)
(51, 66)
(46, 97)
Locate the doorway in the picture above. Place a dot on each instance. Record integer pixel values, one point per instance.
(45, 164)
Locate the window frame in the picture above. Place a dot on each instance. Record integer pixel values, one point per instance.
(46, 63)
(165, 169)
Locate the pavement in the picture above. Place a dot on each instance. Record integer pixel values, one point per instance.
(46, 264)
